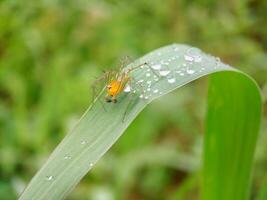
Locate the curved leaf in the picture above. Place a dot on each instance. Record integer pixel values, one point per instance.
(232, 125)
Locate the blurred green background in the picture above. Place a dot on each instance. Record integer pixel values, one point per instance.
(52, 50)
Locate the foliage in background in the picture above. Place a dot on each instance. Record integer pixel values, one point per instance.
(58, 47)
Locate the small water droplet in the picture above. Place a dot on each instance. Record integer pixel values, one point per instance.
(198, 59)
(155, 91)
(156, 67)
(190, 71)
(91, 164)
(148, 74)
(146, 97)
(164, 72)
(176, 49)
(140, 81)
(49, 178)
(188, 58)
(148, 89)
(171, 80)
(67, 157)
(148, 70)
(181, 74)
(127, 89)
(83, 142)
(163, 62)
(141, 96)
(148, 82)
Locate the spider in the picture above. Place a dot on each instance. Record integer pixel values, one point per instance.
(117, 81)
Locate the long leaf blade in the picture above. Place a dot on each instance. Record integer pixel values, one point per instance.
(97, 130)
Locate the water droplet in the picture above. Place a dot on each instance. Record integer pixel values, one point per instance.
(127, 89)
(156, 79)
(83, 142)
(194, 53)
(190, 71)
(146, 97)
(148, 74)
(91, 164)
(188, 58)
(148, 70)
(181, 74)
(156, 91)
(140, 81)
(148, 82)
(156, 67)
(164, 72)
(49, 178)
(141, 96)
(163, 62)
(67, 157)
(171, 80)
(217, 62)
(148, 89)
(198, 59)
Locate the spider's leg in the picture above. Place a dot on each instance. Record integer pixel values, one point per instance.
(131, 97)
(140, 86)
(124, 61)
(142, 65)
(128, 106)
(98, 82)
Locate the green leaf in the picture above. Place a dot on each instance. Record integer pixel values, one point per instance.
(232, 125)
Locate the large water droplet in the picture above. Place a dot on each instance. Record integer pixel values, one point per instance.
(171, 80)
(127, 89)
(49, 178)
(164, 72)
